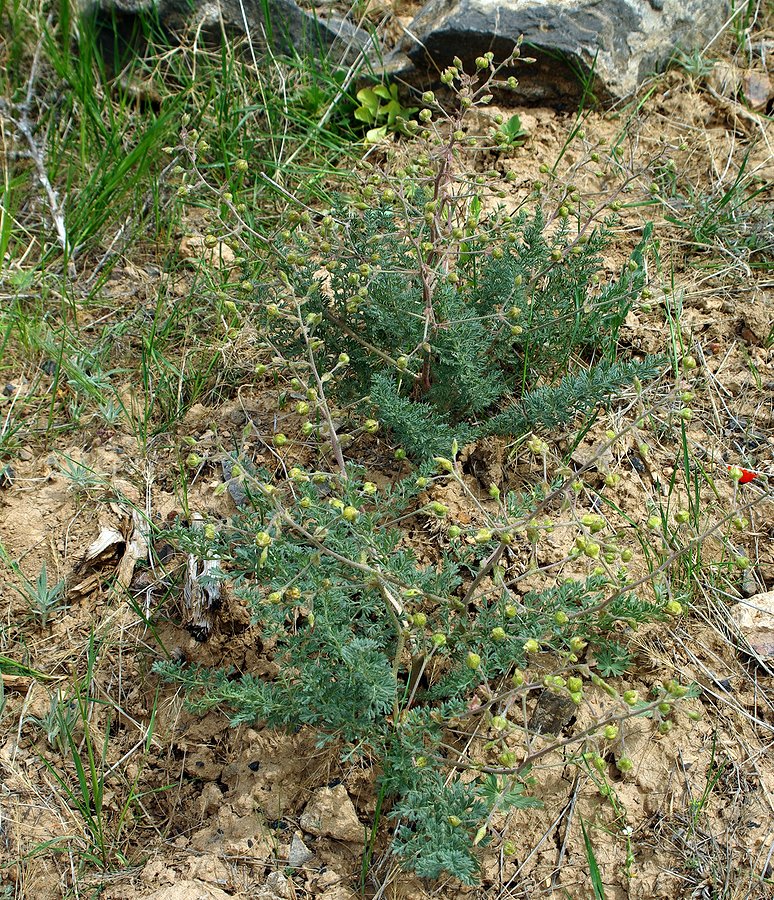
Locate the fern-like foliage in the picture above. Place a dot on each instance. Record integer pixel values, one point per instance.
(516, 324)
(547, 408)
(420, 428)
(344, 646)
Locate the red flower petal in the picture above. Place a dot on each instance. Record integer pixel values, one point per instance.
(747, 475)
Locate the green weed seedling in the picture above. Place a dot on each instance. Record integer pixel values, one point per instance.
(83, 772)
(695, 64)
(381, 109)
(594, 873)
(42, 598)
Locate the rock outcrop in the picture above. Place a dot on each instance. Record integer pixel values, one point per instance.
(611, 46)
(606, 47)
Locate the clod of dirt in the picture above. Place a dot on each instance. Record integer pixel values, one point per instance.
(209, 868)
(189, 890)
(232, 835)
(277, 887)
(330, 886)
(330, 813)
(755, 618)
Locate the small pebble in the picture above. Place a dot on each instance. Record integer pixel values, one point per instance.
(299, 853)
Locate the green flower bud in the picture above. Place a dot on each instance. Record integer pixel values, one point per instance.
(444, 465)
(472, 660)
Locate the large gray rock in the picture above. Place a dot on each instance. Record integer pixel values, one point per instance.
(630, 39)
(620, 41)
(286, 28)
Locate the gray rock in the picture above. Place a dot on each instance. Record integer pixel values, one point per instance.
(630, 39)
(299, 854)
(286, 28)
(755, 618)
